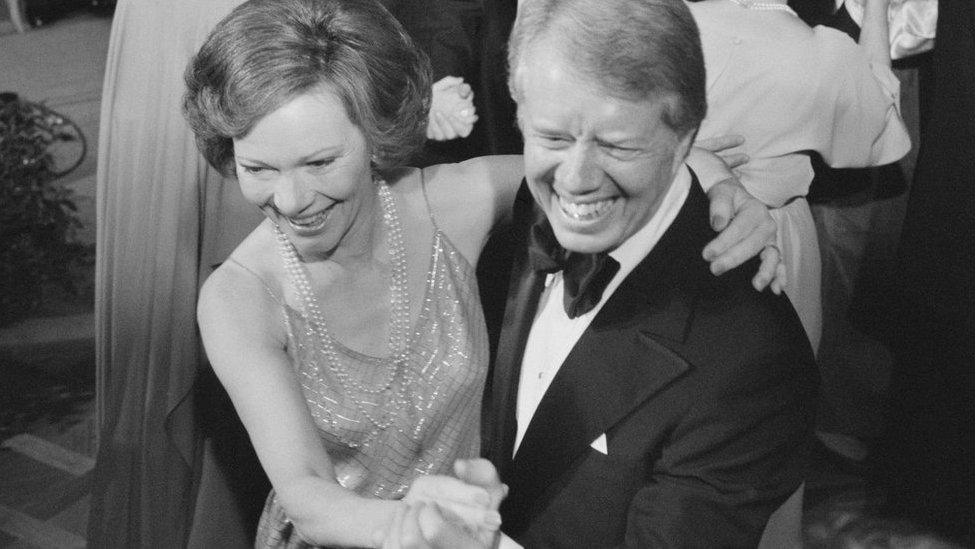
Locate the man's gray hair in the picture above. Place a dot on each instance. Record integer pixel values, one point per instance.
(632, 49)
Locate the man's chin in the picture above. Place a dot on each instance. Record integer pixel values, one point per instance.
(585, 243)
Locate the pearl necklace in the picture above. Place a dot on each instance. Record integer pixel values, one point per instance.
(399, 318)
(763, 6)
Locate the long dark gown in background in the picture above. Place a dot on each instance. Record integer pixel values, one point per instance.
(925, 466)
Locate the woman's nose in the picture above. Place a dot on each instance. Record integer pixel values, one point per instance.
(579, 173)
(291, 195)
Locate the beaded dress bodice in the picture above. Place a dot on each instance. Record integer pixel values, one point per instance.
(387, 420)
(436, 419)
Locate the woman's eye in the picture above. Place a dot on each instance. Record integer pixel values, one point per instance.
(553, 141)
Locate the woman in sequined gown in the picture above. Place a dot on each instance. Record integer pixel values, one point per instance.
(346, 327)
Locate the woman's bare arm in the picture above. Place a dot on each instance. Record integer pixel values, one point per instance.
(874, 32)
(241, 328)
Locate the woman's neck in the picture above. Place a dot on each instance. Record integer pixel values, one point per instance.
(364, 243)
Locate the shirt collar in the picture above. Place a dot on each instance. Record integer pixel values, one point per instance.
(639, 244)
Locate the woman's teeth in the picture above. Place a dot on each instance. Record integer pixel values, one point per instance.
(584, 211)
(313, 222)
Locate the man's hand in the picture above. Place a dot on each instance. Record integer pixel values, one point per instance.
(720, 147)
(746, 229)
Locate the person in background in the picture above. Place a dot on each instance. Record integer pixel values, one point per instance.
(858, 213)
(164, 218)
(792, 90)
(924, 464)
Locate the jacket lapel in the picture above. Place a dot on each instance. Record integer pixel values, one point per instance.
(525, 287)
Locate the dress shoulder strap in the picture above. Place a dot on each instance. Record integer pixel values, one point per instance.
(430, 211)
(273, 292)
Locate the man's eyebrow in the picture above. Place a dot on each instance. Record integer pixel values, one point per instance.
(622, 142)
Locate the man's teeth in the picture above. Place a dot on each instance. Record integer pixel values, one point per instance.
(583, 211)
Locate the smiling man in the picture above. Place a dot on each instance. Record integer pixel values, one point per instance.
(636, 400)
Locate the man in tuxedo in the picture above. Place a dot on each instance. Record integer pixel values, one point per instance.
(636, 399)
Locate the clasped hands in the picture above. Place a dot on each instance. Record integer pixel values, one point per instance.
(452, 112)
(440, 511)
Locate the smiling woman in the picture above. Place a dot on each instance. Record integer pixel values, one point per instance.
(315, 143)
(307, 166)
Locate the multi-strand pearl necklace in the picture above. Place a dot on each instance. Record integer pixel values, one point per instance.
(763, 6)
(399, 319)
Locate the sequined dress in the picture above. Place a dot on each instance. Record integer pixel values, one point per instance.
(434, 423)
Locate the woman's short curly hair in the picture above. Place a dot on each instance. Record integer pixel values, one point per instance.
(267, 52)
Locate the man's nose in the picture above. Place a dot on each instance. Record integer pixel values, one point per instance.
(579, 172)
(291, 194)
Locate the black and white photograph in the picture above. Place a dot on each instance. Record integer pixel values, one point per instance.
(487, 274)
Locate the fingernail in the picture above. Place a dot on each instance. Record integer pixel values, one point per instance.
(464, 112)
(715, 221)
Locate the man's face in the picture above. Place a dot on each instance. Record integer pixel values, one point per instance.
(597, 165)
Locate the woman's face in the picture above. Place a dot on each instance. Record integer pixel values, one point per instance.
(307, 166)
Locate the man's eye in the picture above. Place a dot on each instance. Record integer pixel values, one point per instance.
(621, 153)
(319, 163)
(253, 170)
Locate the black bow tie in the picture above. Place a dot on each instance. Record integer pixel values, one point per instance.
(585, 276)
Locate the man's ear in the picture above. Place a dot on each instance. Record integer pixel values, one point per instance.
(682, 148)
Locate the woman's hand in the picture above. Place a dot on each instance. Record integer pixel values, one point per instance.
(474, 507)
(452, 112)
(425, 526)
(440, 511)
(746, 229)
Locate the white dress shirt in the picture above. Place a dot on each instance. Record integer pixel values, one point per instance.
(554, 334)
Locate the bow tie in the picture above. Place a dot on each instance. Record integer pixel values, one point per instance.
(585, 276)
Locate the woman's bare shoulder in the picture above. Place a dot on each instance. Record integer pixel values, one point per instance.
(468, 198)
(246, 287)
(487, 182)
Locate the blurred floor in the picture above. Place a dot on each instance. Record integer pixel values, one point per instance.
(47, 431)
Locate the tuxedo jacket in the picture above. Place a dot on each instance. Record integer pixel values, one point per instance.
(703, 388)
